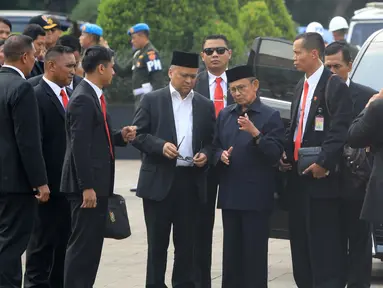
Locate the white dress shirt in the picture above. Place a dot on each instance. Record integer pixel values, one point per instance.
(313, 82)
(16, 69)
(70, 86)
(96, 89)
(56, 89)
(183, 119)
(348, 82)
(213, 85)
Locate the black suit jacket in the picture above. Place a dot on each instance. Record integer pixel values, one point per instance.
(36, 80)
(88, 163)
(360, 95)
(332, 139)
(38, 69)
(366, 131)
(202, 87)
(154, 119)
(52, 127)
(22, 165)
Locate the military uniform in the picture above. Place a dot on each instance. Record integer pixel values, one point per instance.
(145, 67)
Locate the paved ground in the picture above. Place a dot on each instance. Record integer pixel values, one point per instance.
(123, 262)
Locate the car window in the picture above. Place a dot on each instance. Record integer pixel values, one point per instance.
(274, 67)
(361, 31)
(369, 69)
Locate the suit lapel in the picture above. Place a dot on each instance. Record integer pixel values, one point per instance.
(295, 107)
(170, 114)
(317, 99)
(205, 85)
(55, 101)
(93, 93)
(195, 131)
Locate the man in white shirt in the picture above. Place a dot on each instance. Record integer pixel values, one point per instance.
(47, 246)
(211, 83)
(321, 121)
(175, 127)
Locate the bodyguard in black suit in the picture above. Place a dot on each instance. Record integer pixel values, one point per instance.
(88, 170)
(22, 169)
(356, 233)
(248, 143)
(175, 127)
(314, 198)
(216, 56)
(47, 246)
(366, 131)
(37, 33)
(73, 43)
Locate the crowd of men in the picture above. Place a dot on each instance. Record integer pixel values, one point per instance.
(205, 138)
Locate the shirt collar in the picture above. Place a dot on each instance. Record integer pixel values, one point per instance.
(314, 79)
(95, 88)
(175, 93)
(16, 69)
(56, 88)
(255, 106)
(213, 77)
(348, 82)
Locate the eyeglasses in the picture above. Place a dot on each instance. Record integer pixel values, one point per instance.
(188, 159)
(219, 50)
(239, 88)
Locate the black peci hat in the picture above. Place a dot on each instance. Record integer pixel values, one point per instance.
(185, 59)
(239, 72)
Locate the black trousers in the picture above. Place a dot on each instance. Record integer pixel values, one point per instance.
(16, 224)
(245, 248)
(205, 232)
(357, 245)
(315, 239)
(46, 249)
(85, 242)
(180, 209)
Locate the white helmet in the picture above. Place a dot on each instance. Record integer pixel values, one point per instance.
(315, 27)
(338, 23)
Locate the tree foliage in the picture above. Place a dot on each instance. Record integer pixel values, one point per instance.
(255, 20)
(85, 10)
(228, 11)
(282, 18)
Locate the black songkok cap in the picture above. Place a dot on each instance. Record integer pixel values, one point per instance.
(184, 59)
(239, 72)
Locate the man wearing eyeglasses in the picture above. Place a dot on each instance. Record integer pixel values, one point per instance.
(248, 144)
(211, 83)
(175, 127)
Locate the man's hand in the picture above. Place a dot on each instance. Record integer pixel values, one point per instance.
(200, 159)
(317, 171)
(226, 155)
(283, 165)
(43, 193)
(170, 150)
(129, 133)
(375, 97)
(89, 199)
(246, 125)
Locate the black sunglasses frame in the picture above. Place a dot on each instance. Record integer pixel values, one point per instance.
(219, 50)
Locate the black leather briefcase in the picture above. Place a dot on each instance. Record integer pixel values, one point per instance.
(117, 220)
(306, 157)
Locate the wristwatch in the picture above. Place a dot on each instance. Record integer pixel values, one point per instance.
(257, 138)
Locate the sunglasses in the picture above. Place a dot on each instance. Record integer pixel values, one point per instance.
(187, 158)
(219, 50)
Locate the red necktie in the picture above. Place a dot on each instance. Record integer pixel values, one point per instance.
(218, 96)
(103, 108)
(64, 97)
(298, 139)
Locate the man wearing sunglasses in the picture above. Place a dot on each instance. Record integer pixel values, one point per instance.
(211, 83)
(175, 127)
(248, 143)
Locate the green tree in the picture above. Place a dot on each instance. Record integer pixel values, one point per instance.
(282, 18)
(85, 10)
(220, 27)
(255, 20)
(228, 11)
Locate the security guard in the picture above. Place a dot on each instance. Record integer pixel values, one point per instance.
(339, 27)
(90, 35)
(145, 66)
